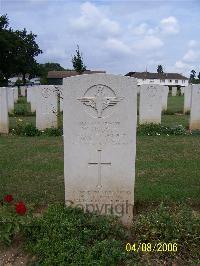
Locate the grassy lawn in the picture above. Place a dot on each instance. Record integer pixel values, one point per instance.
(175, 104)
(167, 168)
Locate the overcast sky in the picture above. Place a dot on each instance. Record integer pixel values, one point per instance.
(116, 36)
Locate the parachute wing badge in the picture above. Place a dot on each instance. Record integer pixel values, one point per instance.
(111, 101)
(89, 101)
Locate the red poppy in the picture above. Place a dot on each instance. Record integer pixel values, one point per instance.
(20, 208)
(8, 198)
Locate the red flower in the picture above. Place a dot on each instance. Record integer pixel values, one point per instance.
(20, 208)
(8, 198)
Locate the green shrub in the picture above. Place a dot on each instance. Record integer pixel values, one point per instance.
(66, 236)
(11, 223)
(158, 129)
(53, 132)
(28, 130)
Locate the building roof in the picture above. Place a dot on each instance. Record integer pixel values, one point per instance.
(148, 75)
(68, 73)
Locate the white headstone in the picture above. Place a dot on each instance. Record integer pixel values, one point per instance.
(60, 95)
(23, 91)
(195, 108)
(15, 89)
(10, 93)
(4, 121)
(174, 91)
(46, 107)
(100, 114)
(150, 104)
(31, 97)
(165, 92)
(182, 90)
(187, 98)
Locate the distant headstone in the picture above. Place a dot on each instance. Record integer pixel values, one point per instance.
(46, 107)
(174, 91)
(100, 114)
(23, 90)
(15, 89)
(10, 93)
(150, 104)
(60, 95)
(195, 108)
(165, 92)
(31, 97)
(187, 98)
(4, 121)
(182, 90)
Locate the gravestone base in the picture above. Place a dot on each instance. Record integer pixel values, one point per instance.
(117, 203)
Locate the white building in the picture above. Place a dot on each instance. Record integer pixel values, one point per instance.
(166, 79)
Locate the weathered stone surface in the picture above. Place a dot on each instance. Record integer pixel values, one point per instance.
(10, 93)
(187, 98)
(23, 90)
(150, 104)
(195, 108)
(165, 92)
(46, 107)
(174, 91)
(15, 89)
(100, 113)
(31, 97)
(182, 90)
(4, 122)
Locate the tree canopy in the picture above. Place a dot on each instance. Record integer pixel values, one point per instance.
(18, 50)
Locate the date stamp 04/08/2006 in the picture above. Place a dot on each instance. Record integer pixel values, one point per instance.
(148, 247)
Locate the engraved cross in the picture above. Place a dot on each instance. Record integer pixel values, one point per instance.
(99, 164)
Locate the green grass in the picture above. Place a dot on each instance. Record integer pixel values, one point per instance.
(174, 120)
(175, 104)
(32, 168)
(167, 168)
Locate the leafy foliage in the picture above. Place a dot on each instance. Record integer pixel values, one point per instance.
(66, 236)
(158, 129)
(11, 223)
(30, 130)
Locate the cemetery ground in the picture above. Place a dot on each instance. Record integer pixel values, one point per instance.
(166, 201)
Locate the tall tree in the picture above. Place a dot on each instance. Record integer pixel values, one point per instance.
(77, 61)
(160, 69)
(28, 49)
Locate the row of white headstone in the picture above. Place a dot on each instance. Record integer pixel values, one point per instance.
(44, 101)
